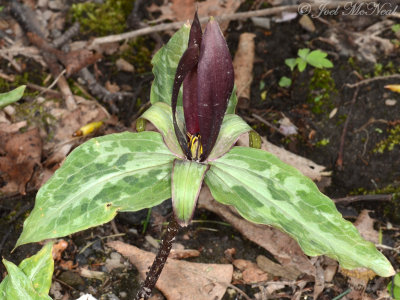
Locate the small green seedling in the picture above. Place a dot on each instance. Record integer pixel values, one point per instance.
(285, 82)
(315, 58)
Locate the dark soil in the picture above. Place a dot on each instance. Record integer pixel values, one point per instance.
(363, 170)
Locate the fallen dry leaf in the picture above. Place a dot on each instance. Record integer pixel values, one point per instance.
(182, 10)
(183, 253)
(365, 225)
(180, 279)
(23, 152)
(358, 280)
(58, 249)
(251, 273)
(12, 128)
(284, 248)
(243, 66)
(275, 269)
(125, 66)
(69, 122)
(319, 284)
(112, 87)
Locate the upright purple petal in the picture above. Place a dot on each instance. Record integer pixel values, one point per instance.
(187, 62)
(196, 34)
(187, 72)
(190, 102)
(215, 84)
(190, 83)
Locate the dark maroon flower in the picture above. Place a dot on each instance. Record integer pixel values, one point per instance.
(206, 72)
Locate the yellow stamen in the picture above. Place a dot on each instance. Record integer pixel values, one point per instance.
(195, 147)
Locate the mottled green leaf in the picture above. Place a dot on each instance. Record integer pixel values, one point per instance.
(39, 269)
(165, 62)
(32, 279)
(186, 183)
(118, 172)
(12, 96)
(232, 128)
(264, 190)
(160, 115)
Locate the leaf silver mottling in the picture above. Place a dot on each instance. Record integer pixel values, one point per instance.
(118, 172)
(265, 190)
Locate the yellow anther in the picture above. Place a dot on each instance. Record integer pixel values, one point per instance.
(194, 144)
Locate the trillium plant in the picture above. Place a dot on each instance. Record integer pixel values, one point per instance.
(193, 105)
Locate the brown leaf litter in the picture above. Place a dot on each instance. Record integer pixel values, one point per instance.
(243, 66)
(182, 10)
(181, 280)
(21, 154)
(250, 272)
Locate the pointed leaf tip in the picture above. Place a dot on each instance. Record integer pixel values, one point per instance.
(195, 31)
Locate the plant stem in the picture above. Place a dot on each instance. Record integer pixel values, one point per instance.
(159, 261)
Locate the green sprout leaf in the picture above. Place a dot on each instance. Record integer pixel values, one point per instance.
(291, 63)
(12, 96)
(301, 64)
(317, 59)
(285, 82)
(265, 190)
(31, 280)
(186, 183)
(118, 172)
(302, 53)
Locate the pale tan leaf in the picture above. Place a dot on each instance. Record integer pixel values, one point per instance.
(181, 280)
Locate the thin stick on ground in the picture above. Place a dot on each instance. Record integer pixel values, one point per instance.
(369, 80)
(159, 261)
(351, 199)
(228, 17)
